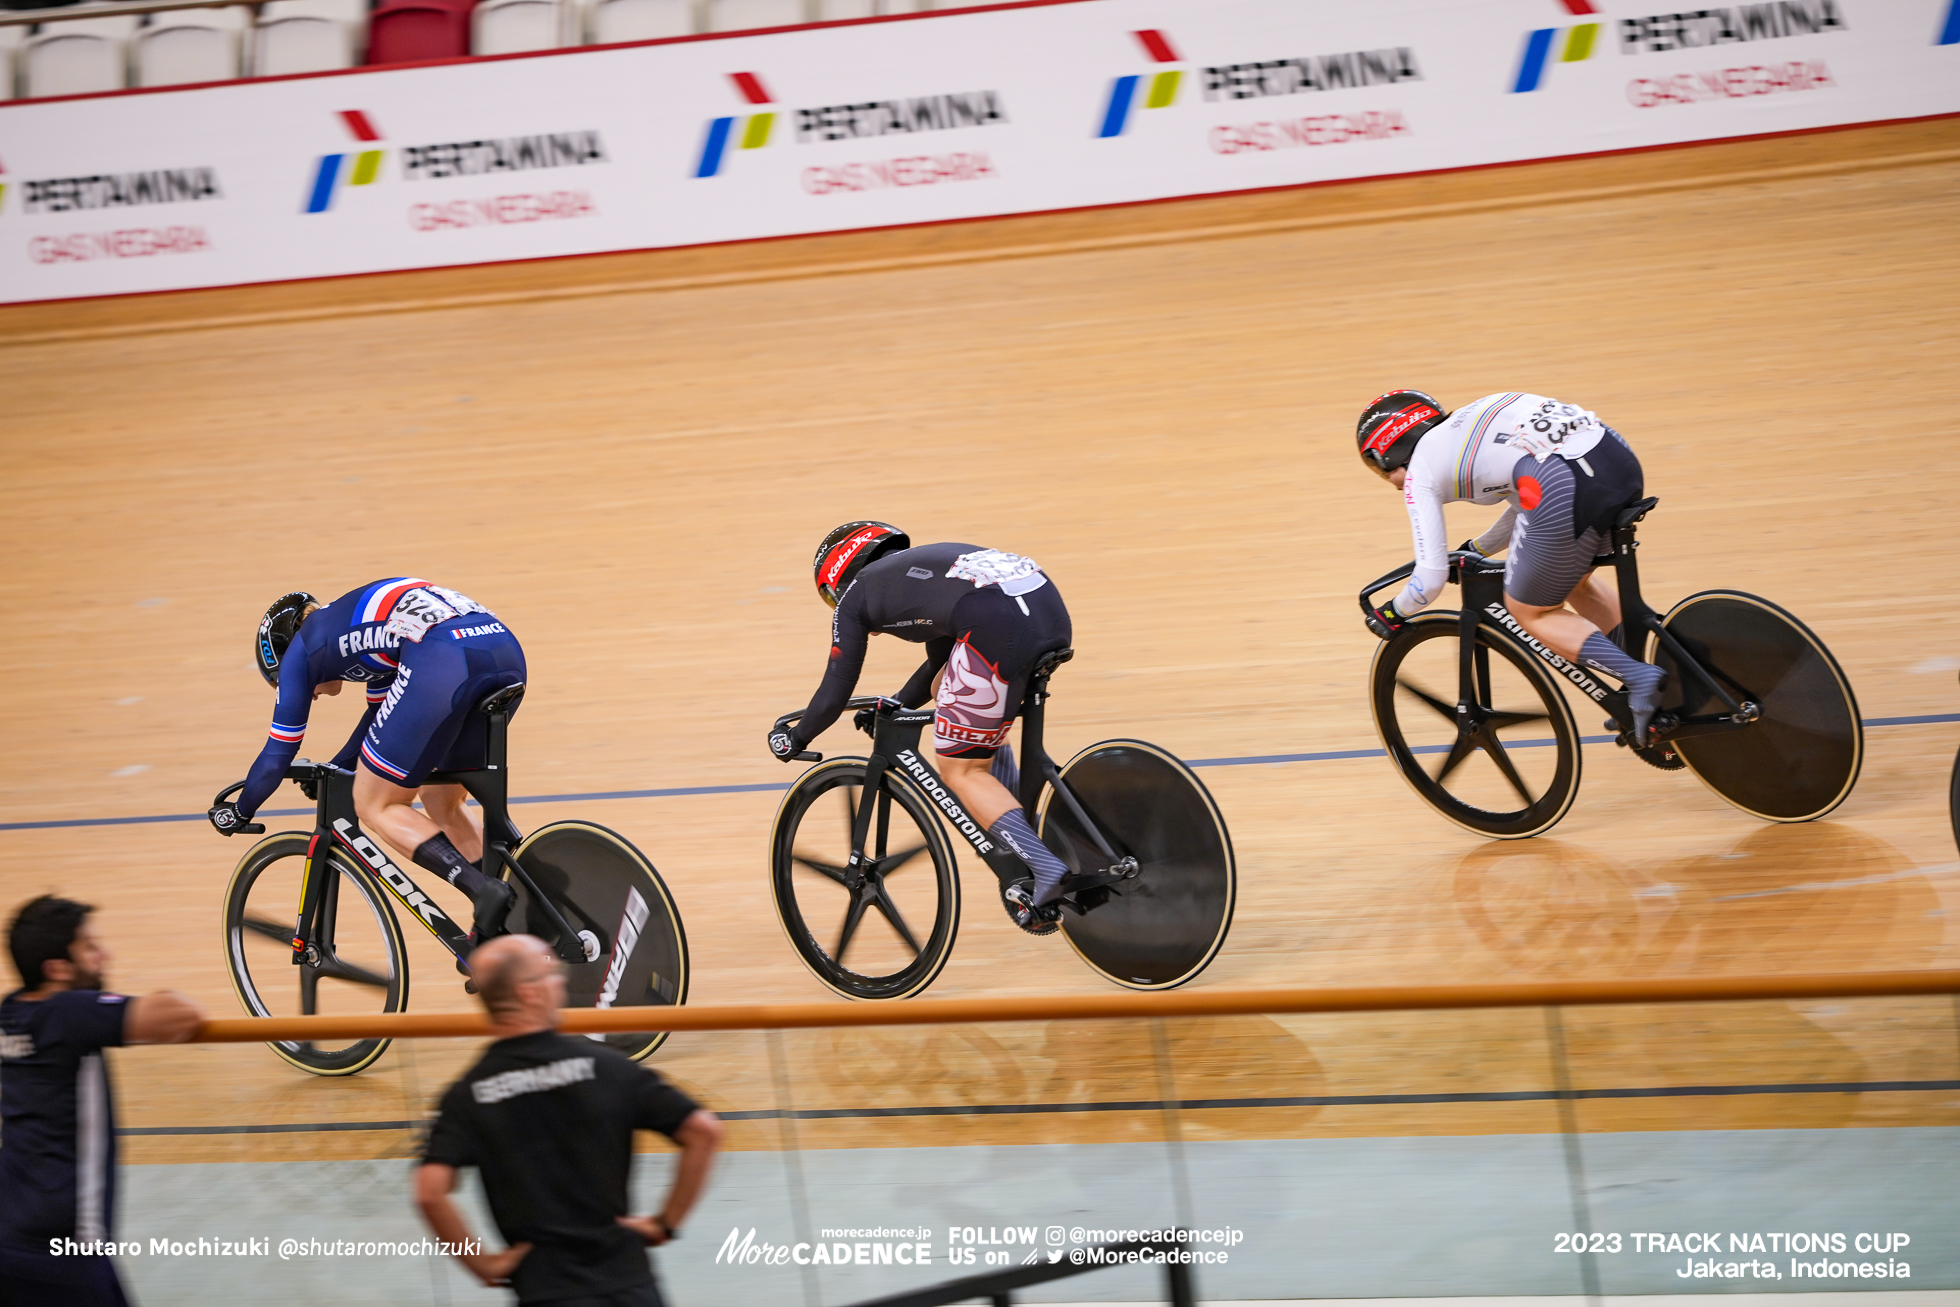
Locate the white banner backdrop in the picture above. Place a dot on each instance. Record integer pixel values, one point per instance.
(927, 119)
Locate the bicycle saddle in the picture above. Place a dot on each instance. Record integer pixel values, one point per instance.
(1048, 662)
(501, 701)
(1634, 512)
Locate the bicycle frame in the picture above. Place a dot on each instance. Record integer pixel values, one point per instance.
(895, 744)
(335, 822)
(1482, 580)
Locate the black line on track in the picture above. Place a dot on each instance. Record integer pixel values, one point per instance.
(684, 791)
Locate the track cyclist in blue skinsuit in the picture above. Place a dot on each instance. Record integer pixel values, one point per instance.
(1562, 475)
(427, 656)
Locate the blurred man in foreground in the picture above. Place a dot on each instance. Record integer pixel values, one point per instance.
(57, 1111)
(548, 1119)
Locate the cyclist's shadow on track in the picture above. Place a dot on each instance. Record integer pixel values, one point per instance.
(1083, 1062)
(1786, 898)
(1821, 896)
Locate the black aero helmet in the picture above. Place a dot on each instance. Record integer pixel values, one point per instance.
(1391, 426)
(276, 631)
(851, 548)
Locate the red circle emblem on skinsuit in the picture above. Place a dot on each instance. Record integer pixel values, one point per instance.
(1529, 493)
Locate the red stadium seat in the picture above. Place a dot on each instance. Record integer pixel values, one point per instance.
(401, 31)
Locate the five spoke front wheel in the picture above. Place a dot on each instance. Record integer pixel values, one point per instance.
(1500, 755)
(880, 926)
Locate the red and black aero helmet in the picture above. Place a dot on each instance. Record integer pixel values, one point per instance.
(851, 548)
(1391, 426)
(276, 631)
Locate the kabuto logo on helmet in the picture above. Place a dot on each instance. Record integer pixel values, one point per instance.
(848, 550)
(1398, 423)
(1392, 424)
(840, 557)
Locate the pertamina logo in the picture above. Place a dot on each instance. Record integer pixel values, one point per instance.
(754, 128)
(1123, 91)
(328, 173)
(1574, 44)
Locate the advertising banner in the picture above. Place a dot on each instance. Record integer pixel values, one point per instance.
(964, 114)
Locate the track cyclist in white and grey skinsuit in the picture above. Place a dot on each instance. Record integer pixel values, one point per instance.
(1563, 476)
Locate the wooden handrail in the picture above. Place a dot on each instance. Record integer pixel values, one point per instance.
(1185, 1003)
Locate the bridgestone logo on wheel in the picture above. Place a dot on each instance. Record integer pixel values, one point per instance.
(630, 924)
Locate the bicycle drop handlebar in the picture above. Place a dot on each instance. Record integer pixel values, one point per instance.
(861, 702)
(1459, 558)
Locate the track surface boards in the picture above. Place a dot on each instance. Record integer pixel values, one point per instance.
(633, 484)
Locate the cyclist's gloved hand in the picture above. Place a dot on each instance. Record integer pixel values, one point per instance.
(1470, 547)
(1385, 621)
(866, 717)
(226, 817)
(783, 745)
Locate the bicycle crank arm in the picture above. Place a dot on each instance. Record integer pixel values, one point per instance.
(1713, 725)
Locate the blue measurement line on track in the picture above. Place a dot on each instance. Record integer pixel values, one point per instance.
(1159, 1105)
(594, 796)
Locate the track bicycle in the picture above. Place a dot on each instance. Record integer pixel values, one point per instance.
(581, 888)
(1756, 706)
(1151, 885)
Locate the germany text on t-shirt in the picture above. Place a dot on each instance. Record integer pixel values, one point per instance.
(548, 1121)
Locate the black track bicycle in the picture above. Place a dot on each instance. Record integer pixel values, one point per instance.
(1756, 706)
(868, 889)
(309, 927)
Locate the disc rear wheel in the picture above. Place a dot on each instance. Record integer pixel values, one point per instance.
(1507, 765)
(622, 914)
(1161, 928)
(1799, 759)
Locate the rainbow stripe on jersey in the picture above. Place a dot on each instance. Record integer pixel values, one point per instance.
(1466, 459)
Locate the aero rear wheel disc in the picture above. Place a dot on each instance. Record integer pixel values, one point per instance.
(1165, 926)
(1801, 757)
(614, 900)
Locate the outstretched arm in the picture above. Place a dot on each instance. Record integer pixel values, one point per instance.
(848, 638)
(1432, 555)
(289, 713)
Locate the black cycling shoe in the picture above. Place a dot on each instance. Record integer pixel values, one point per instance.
(1018, 899)
(493, 904)
(1643, 701)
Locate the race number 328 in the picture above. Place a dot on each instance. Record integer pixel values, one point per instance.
(1586, 1243)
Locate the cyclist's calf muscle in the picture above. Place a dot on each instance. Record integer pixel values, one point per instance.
(385, 809)
(1564, 630)
(972, 782)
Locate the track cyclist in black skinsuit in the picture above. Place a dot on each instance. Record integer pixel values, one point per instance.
(985, 618)
(1563, 476)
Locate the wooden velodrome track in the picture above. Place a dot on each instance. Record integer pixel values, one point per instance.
(629, 459)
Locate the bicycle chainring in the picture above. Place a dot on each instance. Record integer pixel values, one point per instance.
(1663, 756)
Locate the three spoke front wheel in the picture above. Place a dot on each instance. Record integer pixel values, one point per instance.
(879, 927)
(364, 970)
(1501, 759)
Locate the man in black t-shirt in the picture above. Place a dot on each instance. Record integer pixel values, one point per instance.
(548, 1121)
(57, 1111)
